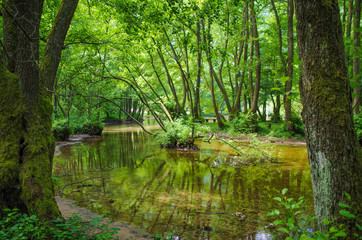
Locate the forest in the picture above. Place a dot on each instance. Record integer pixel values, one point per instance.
(189, 119)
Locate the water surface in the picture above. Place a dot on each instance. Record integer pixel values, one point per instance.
(125, 175)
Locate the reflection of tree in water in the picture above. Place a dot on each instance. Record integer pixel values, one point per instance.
(112, 151)
(181, 192)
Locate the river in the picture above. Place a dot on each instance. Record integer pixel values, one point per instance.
(125, 175)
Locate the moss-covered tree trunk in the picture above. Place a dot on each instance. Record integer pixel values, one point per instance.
(327, 112)
(27, 144)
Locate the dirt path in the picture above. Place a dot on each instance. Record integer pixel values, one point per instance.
(126, 231)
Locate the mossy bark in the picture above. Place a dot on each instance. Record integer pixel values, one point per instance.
(26, 152)
(333, 151)
(26, 141)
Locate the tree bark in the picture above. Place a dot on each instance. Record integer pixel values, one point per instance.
(25, 129)
(327, 112)
(254, 34)
(289, 83)
(356, 59)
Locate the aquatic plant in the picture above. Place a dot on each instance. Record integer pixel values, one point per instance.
(254, 152)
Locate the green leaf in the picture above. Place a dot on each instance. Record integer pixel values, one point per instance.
(343, 205)
(358, 226)
(277, 199)
(333, 229)
(340, 234)
(284, 230)
(348, 196)
(291, 220)
(276, 211)
(284, 79)
(326, 221)
(346, 214)
(277, 222)
(284, 191)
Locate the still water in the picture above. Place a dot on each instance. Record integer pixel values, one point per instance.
(125, 175)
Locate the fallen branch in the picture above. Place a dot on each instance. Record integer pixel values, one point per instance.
(61, 192)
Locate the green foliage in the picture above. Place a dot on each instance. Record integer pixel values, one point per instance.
(357, 119)
(297, 124)
(15, 225)
(61, 130)
(280, 131)
(296, 226)
(255, 152)
(244, 123)
(92, 129)
(181, 133)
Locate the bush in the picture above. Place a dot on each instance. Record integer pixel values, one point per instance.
(297, 124)
(61, 131)
(93, 129)
(15, 225)
(181, 134)
(244, 124)
(280, 132)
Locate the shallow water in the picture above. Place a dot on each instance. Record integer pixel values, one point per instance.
(125, 175)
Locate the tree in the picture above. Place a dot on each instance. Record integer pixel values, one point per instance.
(356, 58)
(327, 113)
(26, 84)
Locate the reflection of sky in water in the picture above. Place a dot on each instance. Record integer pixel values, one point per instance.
(180, 192)
(261, 236)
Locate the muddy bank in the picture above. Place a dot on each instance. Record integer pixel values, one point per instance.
(73, 139)
(126, 231)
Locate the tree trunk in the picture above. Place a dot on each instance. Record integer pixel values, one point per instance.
(327, 112)
(288, 84)
(254, 34)
(26, 107)
(356, 59)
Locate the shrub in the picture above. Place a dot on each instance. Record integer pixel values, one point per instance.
(181, 134)
(280, 132)
(244, 123)
(297, 124)
(15, 225)
(93, 129)
(61, 131)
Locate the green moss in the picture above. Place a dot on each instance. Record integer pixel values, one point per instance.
(11, 108)
(26, 147)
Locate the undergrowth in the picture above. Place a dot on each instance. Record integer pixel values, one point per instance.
(291, 222)
(15, 225)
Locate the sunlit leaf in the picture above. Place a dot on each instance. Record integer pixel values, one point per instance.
(284, 230)
(346, 214)
(284, 191)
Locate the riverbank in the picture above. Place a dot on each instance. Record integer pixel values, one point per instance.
(126, 231)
